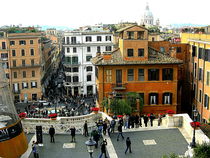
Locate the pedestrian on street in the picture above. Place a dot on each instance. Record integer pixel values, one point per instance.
(113, 122)
(159, 119)
(86, 129)
(35, 149)
(137, 121)
(120, 132)
(145, 120)
(52, 133)
(96, 137)
(128, 145)
(73, 133)
(151, 117)
(103, 149)
(104, 127)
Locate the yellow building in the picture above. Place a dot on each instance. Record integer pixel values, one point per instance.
(199, 71)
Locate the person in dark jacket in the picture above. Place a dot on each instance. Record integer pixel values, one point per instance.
(52, 133)
(86, 129)
(151, 117)
(120, 132)
(137, 121)
(145, 120)
(96, 137)
(104, 127)
(103, 149)
(128, 145)
(73, 133)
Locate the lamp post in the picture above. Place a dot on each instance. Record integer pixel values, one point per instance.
(195, 114)
(90, 146)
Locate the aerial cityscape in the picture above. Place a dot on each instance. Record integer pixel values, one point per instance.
(123, 79)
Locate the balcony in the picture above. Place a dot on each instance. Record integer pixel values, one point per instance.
(72, 43)
(119, 86)
(70, 64)
(72, 84)
(25, 66)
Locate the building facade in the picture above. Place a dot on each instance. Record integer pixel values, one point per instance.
(79, 47)
(199, 69)
(136, 67)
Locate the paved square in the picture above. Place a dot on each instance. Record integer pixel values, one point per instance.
(69, 145)
(149, 142)
(168, 141)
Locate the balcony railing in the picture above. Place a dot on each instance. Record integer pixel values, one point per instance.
(68, 64)
(25, 66)
(119, 86)
(16, 91)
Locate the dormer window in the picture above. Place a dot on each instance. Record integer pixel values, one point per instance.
(130, 52)
(140, 35)
(130, 35)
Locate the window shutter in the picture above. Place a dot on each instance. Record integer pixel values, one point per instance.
(156, 98)
(170, 94)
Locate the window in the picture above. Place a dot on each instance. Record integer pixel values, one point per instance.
(74, 60)
(3, 45)
(200, 53)
(153, 74)
(108, 38)
(22, 52)
(68, 78)
(88, 77)
(12, 43)
(108, 48)
(15, 74)
(162, 49)
(167, 98)
(22, 42)
(32, 62)
(178, 49)
(89, 68)
(200, 77)
(16, 87)
(130, 74)
(73, 40)
(88, 49)
(7, 75)
(98, 49)
(206, 101)
(34, 96)
(130, 52)
(31, 42)
(14, 63)
(68, 59)
(75, 79)
(33, 84)
(32, 52)
(33, 73)
(24, 85)
(194, 51)
(23, 62)
(141, 74)
(141, 96)
(74, 49)
(141, 52)
(88, 38)
(67, 69)
(200, 96)
(67, 40)
(130, 35)
(98, 38)
(75, 69)
(67, 50)
(13, 53)
(108, 75)
(4, 55)
(88, 58)
(153, 98)
(140, 35)
(207, 78)
(5, 65)
(195, 69)
(167, 74)
(24, 74)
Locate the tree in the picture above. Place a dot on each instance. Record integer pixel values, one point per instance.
(120, 106)
(105, 103)
(202, 151)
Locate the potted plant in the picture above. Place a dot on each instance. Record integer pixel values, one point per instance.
(95, 109)
(195, 125)
(170, 112)
(53, 116)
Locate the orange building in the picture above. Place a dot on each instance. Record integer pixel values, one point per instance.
(136, 67)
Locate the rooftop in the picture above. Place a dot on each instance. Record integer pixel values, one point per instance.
(117, 59)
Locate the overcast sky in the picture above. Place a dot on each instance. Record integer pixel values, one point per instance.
(75, 13)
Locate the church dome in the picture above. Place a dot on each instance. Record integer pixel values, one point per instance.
(148, 13)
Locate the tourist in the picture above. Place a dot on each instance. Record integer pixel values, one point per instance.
(137, 121)
(151, 117)
(86, 129)
(104, 127)
(159, 119)
(128, 145)
(145, 120)
(52, 133)
(35, 149)
(96, 137)
(103, 149)
(120, 132)
(113, 122)
(100, 127)
(73, 133)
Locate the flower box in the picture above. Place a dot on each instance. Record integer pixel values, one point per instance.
(53, 115)
(95, 109)
(119, 116)
(195, 124)
(170, 112)
(22, 115)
